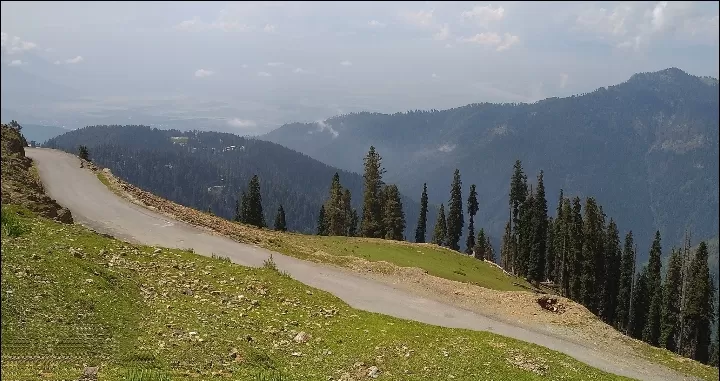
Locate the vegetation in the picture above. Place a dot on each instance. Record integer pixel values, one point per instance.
(84, 153)
(421, 229)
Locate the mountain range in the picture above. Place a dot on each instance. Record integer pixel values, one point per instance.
(646, 149)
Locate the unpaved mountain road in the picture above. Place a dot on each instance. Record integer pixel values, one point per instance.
(95, 206)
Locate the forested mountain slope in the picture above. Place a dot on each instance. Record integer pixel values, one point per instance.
(209, 170)
(646, 149)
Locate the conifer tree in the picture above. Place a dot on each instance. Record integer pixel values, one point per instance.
(322, 222)
(550, 251)
(489, 251)
(254, 204)
(421, 229)
(440, 231)
(525, 235)
(638, 306)
(280, 220)
(394, 217)
(518, 195)
(672, 291)
(371, 221)
(576, 254)
(472, 208)
(480, 247)
(352, 227)
(455, 220)
(506, 249)
(335, 209)
(538, 233)
(699, 311)
(564, 243)
(651, 333)
(347, 211)
(593, 231)
(625, 284)
(611, 276)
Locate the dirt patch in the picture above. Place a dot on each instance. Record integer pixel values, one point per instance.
(550, 303)
(20, 183)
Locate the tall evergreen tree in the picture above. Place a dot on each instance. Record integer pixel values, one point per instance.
(550, 250)
(538, 233)
(472, 208)
(489, 251)
(255, 214)
(625, 285)
(564, 243)
(593, 231)
(280, 220)
(651, 333)
(440, 231)
(672, 291)
(576, 255)
(335, 209)
(699, 311)
(421, 229)
(525, 232)
(455, 220)
(371, 221)
(480, 247)
(241, 208)
(322, 222)
(611, 276)
(394, 217)
(347, 212)
(352, 227)
(506, 248)
(518, 195)
(638, 305)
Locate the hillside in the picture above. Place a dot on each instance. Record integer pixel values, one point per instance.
(40, 133)
(210, 169)
(646, 149)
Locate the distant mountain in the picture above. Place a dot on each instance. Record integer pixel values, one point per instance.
(210, 169)
(647, 149)
(40, 133)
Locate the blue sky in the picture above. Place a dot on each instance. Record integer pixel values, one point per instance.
(275, 62)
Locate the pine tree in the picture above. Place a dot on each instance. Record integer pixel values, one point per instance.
(440, 231)
(322, 222)
(394, 217)
(550, 251)
(638, 306)
(651, 333)
(575, 265)
(371, 222)
(352, 227)
(347, 212)
(455, 220)
(525, 229)
(625, 284)
(593, 230)
(472, 208)
(506, 248)
(611, 278)
(254, 214)
(489, 251)
(335, 209)
(421, 228)
(518, 195)
(84, 153)
(280, 220)
(672, 290)
(241, 208)
(699, 311)
(538, 233)
(480, 247)
(564, 243)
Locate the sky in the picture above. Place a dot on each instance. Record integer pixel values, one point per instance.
(249, 67)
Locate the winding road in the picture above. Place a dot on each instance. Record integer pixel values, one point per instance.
(95, 206)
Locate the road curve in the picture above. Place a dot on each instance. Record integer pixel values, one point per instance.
(93, 205)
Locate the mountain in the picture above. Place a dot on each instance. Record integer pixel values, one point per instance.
(646, 149)
(210, 169)
(40, 133)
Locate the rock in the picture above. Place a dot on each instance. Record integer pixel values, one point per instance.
(187, 291)
(90, 373)
(296, 354)
(302, 337)
(373, 372)
(157, 251)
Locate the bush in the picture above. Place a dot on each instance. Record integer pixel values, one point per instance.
(11, 224)
(270, 264)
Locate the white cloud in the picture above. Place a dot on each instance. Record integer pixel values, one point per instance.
(322, 126)
(434, 75)
(15, 44)
(602, 21)
(264, 74)
(192, 24)
(298, 70)
(375, 24)
(223, 22)
(419, 18)
(484, 15)
(244, 66)
(15, 63)
(57, 62)
(493, 39)
(447, 147)
(346, 63)
(75, 60)
(563, 80)
(241, 123)
(443, 33)
(202, 73)
(269, 28)
(658, 15)
(275, 64)
(49, 50)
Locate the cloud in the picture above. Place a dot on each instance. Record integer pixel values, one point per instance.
(57, 62)
(15, 63)
(241, 123)
(298, 70)
(222, 22)
(434, 75)
(419, 18)
(15, 44)
(49, 50)
(443, 33)
(202, 73)
(447, 147)
(483, 15)
(346, 63)
(192, 24)
(244, 66)
(275, 64)
(322, 126)
(375, 24)
(269, 28)
(493, 39)
(563, 80)
(75, 60)
(604, 22)
(264, 74)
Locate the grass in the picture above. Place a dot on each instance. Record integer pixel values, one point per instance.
(673, 361)
(72, 298)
